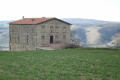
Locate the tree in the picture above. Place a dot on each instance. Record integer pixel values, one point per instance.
(75, 40)
(116, 40)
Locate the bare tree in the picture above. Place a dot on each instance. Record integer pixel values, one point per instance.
(75, 40)
(116, 39)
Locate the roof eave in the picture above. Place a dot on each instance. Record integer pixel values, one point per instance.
(39, 22)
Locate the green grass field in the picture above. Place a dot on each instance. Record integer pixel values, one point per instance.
(66, 64)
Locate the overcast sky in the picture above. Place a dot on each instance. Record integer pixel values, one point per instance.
(90, 9)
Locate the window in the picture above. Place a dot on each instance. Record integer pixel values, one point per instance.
(18, 39)
(43, 28)
(33, 19)
(64, 37)
(15, 38)
(43, 37)
(56, 29)
(33, 29)
(27, 39)
(13, 28)
(10, 38)
(42, 40)
(51, 28)
(26, 28)
(56, 36)
(64, 29)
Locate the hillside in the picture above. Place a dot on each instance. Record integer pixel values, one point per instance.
(66, 64)
(91, 32)
(4, 34)
(81, 20)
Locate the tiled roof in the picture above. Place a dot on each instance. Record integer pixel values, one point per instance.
(31, 20)
(35, 20)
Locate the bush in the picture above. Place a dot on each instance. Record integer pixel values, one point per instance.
(72, 46)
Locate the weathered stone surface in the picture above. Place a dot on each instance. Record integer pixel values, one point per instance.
(31, 37)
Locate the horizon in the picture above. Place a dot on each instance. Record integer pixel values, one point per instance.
(104, 10)
(63, 18)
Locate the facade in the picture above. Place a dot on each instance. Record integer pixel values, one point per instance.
(33, 33)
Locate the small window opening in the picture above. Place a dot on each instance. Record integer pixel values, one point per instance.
(33, 19)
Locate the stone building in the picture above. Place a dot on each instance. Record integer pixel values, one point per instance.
(33, 33)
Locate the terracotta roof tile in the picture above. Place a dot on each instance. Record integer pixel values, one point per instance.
(31, 20)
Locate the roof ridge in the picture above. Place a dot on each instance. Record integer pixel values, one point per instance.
(34, 20)
(39, 17)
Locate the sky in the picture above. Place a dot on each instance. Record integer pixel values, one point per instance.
(107, 10)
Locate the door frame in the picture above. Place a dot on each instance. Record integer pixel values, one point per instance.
(51, 39)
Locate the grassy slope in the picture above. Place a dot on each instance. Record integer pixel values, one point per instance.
(68, 64)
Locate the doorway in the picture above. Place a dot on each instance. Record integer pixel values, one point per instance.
(51, 39)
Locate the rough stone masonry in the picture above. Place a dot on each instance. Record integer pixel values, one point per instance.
(32, 33)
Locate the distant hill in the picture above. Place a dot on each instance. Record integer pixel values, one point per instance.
(4, 34)
(80, 20)
(4, 22)
(94, 32)
(91, 32)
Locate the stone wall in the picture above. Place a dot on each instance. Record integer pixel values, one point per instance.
(59, 30)
(22, 37)
(31, 37)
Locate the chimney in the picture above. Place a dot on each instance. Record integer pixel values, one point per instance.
(43, 17)
(23, 17)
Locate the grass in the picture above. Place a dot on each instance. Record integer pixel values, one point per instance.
(66, 64)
